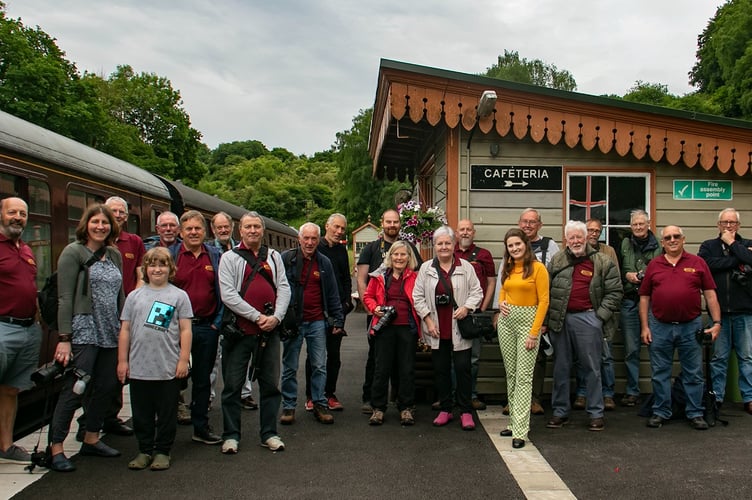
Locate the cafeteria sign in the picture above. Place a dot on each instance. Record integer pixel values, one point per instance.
(513, 178)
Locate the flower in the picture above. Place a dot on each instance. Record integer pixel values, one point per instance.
(418, 226)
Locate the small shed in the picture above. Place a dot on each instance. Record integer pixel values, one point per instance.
(362, 236)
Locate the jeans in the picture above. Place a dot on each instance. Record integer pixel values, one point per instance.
(235, 356)
(666, 338)
(150, 399)
(736, 331)
(333, 364)
(607, 373)
(442, 359)
(395, 349)
(314, 333)
(580, 338)
(629, 323)
(203, 357)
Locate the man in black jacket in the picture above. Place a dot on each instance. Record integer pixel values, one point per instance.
(729, 257)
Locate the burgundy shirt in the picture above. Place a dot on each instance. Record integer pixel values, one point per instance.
(579, 297)
(396, 296)
(675, 290)
(483, 265)
(446, 312)
(195, 275)
(258, 293)
(132, 249)
(310, 281)
(18, 274)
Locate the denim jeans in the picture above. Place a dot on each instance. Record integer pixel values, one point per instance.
(314, 333)
(736, 332)
(203, 357)
(333, 364)
(666, 338)
(235, 356)
(607, 373)
(629, 323)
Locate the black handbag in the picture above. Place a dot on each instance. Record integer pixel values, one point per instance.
(478, 324)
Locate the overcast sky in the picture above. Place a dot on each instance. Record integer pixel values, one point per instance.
(293, 73)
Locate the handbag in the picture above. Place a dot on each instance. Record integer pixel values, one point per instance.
(478, 324)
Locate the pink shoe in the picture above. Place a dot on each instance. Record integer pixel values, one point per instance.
(468, 424)
(444, 418)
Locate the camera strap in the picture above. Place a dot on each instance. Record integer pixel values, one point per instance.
(256, 265)
(447, 285)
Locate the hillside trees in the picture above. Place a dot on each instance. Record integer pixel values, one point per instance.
(511, 67)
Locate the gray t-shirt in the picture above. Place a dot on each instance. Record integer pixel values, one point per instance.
(155, 332)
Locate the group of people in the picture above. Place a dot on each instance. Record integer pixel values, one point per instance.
(151, 315)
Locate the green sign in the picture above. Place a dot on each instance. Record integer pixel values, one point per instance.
(703, 190)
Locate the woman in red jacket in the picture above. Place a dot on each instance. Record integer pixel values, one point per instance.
(395, 326)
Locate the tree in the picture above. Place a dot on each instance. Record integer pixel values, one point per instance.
(511, 67)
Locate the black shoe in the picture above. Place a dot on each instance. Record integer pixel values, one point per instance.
(248, 403)
(99, 449)
(60, 463)
(655, 421)
(557, 422)
(518, 443)
(699, 424)
(206, 436)
(506, 433)
(80, 434)
(117, 428)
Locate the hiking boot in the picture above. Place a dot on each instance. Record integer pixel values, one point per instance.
(655, 421)
(184, 414)
(478, 404)
(15, 455)
(536, 408)
(579, 403)
(334, 404)
(596, 424)
(406, 417)
(322, 414)
(205, 436)
(557, 422)
(699, 424)
(248, 403)
(609, 404)
(629, 400)
(288, 417)
(377, 418)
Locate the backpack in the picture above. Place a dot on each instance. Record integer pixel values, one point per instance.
(47, 296)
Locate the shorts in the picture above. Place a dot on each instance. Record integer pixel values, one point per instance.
(19, 354)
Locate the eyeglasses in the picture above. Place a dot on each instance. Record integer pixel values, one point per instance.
(526, 222)
(594, 231)
(670, 237)
(728, 222)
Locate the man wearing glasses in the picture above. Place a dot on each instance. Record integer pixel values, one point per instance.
(729, 257)
(670, 315)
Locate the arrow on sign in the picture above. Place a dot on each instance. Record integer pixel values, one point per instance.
(510, 183)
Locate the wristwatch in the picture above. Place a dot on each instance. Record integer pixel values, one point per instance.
(717, 322)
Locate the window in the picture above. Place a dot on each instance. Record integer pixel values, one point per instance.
(608, 197)
(77, 203)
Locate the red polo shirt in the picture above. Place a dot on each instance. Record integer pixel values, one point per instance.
(195, 275)
(131, 247)
(579, 297)
(310, 280)
(674, 290)
(258, 293)
(483, 264)
(18, 274)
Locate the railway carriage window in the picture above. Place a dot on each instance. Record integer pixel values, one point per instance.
(76, 204)
(133, 224)
(39, 197)
(9, 185)
(37, 236)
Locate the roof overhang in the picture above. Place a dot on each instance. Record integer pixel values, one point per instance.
(413, 101)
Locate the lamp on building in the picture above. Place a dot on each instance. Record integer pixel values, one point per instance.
(486, 105)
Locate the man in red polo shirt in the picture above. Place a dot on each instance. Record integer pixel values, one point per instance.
(168, 227)
(130, 245)
(20, 335)
(197, 275)
(483, 264)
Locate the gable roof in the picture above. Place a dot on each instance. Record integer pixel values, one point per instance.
(412, 101)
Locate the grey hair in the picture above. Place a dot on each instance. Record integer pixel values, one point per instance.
(308, 225)
(735, 211)
(113, 199)
(535, 211)
(334, 216)
(255, 215)
(574, 225)
(168, 214)
(638, 213)
(226, 215)
(444, 231)
(411, 262)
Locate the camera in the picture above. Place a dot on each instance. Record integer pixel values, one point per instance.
(743, 276)
(288, 328)
(704, 339)
(390, 312)
(45, 375)
(641, 275)
(443, 299)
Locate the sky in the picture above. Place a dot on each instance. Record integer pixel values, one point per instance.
(294, 73)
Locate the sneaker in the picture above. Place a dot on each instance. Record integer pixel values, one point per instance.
(15, 455)
(184, 414)
(334, 404)
(505, 410)
(536, 408)
(478, 404)
(557, 422)
(609, 404)
(288, 417)
(309, 405)
(579, 403)
(468, 424)
(366, 408)
(629, 400)
(655, 421)
(322, 414)
(274, 443)
(596, 424)
(205, 436)
(230, 446)
(443, 418)
(377, 418)
(699, 424)
(406, 417)
(248, 403)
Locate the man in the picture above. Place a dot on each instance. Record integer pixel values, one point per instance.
(222, 227)
(330, 247)
(544, 249)
(197, 274)
(316, 302)
(371, 257)
(670, 316)
(729, 257)
(637, 250)
(257, 272)
(586, 293)
(167, 228)
(20, 335)
(594, 230)
(483, 264)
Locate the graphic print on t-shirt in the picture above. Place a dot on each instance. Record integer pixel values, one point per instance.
(160, 316)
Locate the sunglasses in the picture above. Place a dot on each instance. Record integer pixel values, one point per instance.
(670, 237)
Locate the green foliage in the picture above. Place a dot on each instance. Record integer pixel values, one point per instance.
(511, 67)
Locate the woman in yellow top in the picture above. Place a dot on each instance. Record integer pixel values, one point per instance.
(523, 301)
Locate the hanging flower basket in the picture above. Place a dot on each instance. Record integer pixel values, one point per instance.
(417, 226)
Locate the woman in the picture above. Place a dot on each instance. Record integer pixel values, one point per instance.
(90, 296)
(443, 283)
(391, 286)
(523, 301)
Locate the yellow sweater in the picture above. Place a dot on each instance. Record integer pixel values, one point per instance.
(530, 291)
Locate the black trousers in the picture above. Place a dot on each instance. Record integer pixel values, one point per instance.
(371, 367)
(394, 349)
(155, 413)
(442, 359)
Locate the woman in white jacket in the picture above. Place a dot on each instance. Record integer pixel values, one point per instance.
(442, 283)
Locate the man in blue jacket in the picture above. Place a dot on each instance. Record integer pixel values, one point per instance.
(315, 299)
